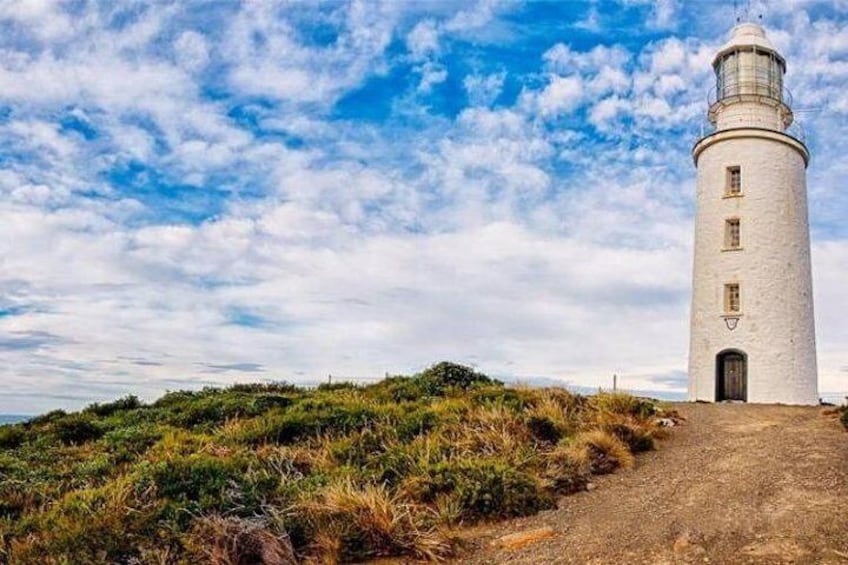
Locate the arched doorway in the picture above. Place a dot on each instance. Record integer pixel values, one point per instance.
(731, 375)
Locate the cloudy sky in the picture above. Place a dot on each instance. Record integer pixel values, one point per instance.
(210, 192)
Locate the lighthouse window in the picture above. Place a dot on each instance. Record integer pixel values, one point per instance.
(731, 298)
(734, 180)
(732, 238)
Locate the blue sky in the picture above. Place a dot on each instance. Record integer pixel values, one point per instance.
(201, 193)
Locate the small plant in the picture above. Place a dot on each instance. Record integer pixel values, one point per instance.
(357, 522)
(568, 468)
(481, 489)
(441, 377)
(220, 540)
(76, 429)
(109, 408)
(623, 404)
(605, 452)
(11, 436)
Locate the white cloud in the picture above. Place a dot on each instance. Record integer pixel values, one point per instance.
(483, 90)
(423, 40)
(561, 96)
(192, 50)
(431, 75)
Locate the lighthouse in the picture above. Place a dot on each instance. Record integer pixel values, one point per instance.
(752, 333)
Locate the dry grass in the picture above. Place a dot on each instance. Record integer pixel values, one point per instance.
(604, 451)
(237, 541)
(490, 430)
(568, 468)
(346, 516)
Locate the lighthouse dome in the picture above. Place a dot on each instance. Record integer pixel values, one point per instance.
(746, 34)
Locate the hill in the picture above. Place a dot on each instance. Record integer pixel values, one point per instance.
(274, 473)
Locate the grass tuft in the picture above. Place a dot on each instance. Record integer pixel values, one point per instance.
(604, 451)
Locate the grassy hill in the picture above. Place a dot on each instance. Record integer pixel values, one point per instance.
(272, 473)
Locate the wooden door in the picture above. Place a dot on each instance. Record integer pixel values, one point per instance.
(733, 377)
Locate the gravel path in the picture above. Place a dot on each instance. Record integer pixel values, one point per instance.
(735, 484)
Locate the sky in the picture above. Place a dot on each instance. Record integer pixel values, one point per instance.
(202, 193)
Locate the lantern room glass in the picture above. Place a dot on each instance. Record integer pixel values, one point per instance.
(749, 71)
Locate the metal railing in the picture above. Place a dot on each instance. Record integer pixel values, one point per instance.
(796, 130)
(750, 88)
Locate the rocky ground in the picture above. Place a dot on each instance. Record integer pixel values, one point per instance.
(735, 484)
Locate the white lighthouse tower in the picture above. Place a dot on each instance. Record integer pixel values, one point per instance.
(752, 330)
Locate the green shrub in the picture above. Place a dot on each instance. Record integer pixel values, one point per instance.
(200, 482)
(544, 429)
(310, 418)
(128, 443)
(210, 408)
(482, 489)
(341, 385)
(568, 469)
(108, 408)
(399, 389)
(272, 388)
(623, 404)
(845, 417)
(498, 395)
(47, 418)
(414, 423)
(76, 429)
(636, 437)
(11, 436)
(441, 377)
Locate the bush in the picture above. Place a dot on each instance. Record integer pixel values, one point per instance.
(636, 436)
(47, 418)
(132, 441)
(544, 429)
(76, 429)
(199, 479)
(568, 468)
(274, 388)
(353, 523)
(845, 417)
(209, 409)
(623, 404)
(234, 541)
(605, 452)
(11, 436)
(121, 405)
(482, 489)
(311, 418)
(441, 377)
(399, 389)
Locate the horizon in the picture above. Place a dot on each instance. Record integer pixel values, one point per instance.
(253, 191)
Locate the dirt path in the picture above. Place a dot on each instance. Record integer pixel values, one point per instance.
(735, 484)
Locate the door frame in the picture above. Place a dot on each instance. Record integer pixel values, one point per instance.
(719, 373)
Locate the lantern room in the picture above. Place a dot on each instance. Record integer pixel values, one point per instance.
(749, 73)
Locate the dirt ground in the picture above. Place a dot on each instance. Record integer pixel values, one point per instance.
(735, 484)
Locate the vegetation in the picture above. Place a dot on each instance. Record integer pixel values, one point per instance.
(273, 473)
